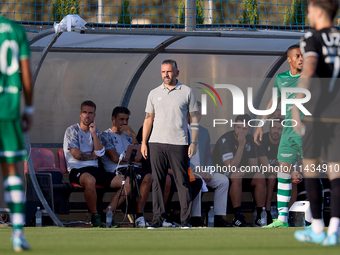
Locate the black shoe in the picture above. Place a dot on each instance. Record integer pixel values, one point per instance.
(239, 221)
(221, 223)
(196, 222)
(185, 224)
(96, 221)
(269, 218)
(158, 223)
(174, 218)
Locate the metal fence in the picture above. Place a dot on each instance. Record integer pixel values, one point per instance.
(287, 15)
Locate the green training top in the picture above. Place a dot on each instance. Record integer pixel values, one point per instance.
(287, 80)
(13, 47)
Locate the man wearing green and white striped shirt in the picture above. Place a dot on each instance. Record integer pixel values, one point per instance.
(14, 76)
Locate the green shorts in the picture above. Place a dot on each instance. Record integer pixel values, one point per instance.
(12, 145)
(290, 149)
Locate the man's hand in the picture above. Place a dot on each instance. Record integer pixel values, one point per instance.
(93, 128)
(241, 139)
(128, 129)
(144, 150)
(258, 135)
(26, 122)
(299, 128)
(93, 155)
(192, 150)
(296, 177)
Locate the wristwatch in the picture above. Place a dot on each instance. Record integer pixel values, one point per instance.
(195, 143)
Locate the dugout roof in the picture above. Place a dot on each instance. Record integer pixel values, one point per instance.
(120, 67)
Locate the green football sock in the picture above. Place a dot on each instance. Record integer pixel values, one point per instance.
(284, 192)
(15, 199)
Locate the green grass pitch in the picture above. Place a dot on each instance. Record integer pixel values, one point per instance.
(253, 241)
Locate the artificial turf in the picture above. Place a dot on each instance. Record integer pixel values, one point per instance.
(253, 241)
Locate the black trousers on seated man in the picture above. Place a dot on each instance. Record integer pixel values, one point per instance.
(161, 155)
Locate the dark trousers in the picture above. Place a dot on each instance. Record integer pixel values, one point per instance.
(161, 155)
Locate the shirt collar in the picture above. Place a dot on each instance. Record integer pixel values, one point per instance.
(296, 75)
(178, 86)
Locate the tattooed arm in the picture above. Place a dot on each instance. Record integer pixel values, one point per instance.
(147, 126)
(78, 154)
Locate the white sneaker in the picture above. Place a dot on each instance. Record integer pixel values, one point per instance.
(140, 222)
(20, 243)
(167, 224)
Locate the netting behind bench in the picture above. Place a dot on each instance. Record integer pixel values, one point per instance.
(163, 14)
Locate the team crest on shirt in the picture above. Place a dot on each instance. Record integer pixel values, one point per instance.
(223, 140)
(268, 148)
(248, 147)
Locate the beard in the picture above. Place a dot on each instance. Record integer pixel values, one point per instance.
(275, 137)
(169, 81)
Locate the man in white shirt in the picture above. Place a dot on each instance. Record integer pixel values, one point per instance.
(116, 140)
(82, 148)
